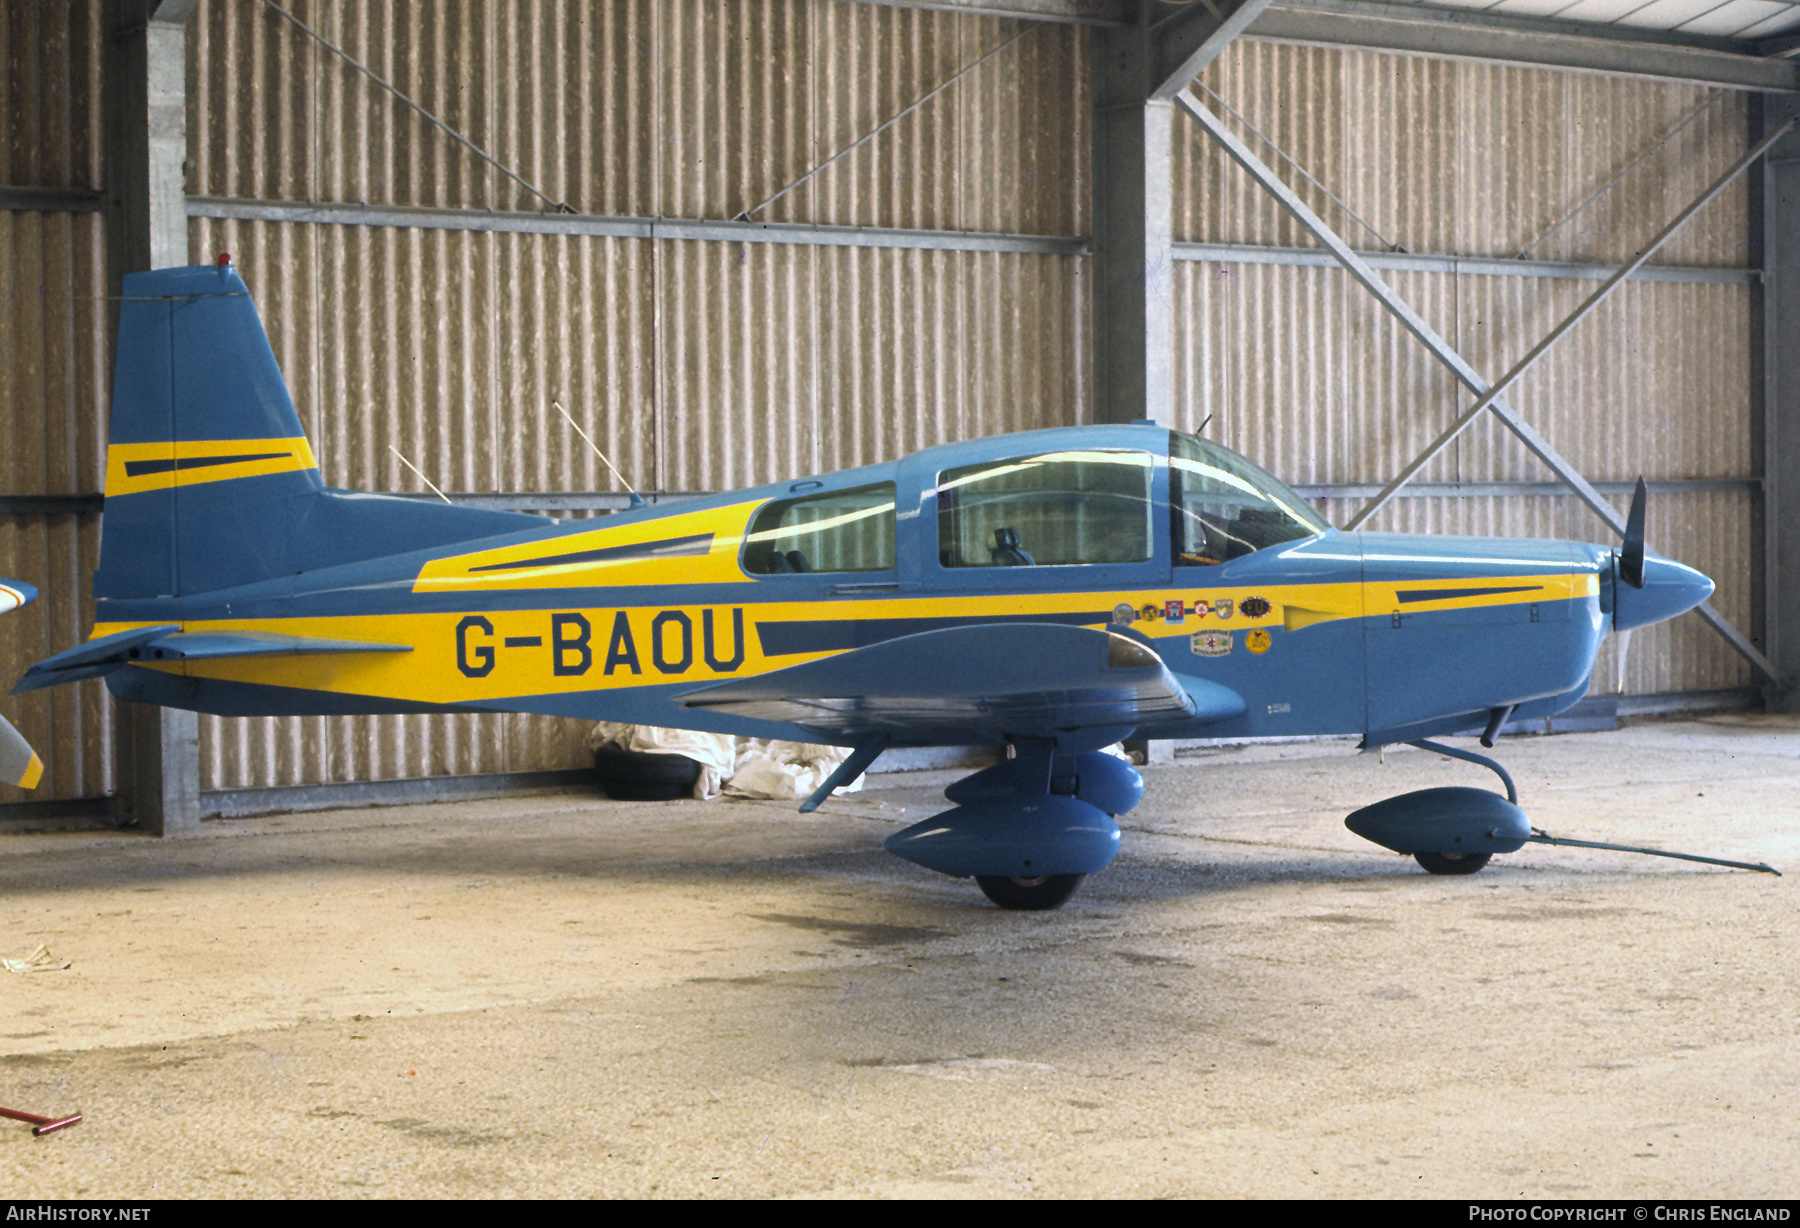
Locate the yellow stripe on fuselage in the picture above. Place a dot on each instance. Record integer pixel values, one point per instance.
(555, 562)
(134, 468)
(1384, 597)
(489, 655)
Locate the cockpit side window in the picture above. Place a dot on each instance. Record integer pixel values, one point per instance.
(839, 530)
(1056, 509)
(1224, 506)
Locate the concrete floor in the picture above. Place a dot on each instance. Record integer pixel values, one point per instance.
(554, 996)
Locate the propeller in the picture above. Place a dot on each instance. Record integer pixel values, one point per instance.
(1631, 556)
(1649, 588)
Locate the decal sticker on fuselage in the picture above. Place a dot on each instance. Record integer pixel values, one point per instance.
(1211, 643)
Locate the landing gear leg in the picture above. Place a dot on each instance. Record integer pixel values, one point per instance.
(1029, 894)
(1469, 756)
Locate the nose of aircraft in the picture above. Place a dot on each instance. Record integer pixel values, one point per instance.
(1670, 588)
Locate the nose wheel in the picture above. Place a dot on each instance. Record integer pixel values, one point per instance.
(1452, 863)
(1029, 894)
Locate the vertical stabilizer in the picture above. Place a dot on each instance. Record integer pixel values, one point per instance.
(210, 482)
(206, 451)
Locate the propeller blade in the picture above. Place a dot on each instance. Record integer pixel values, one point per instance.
(1631, 556)
(19, 764)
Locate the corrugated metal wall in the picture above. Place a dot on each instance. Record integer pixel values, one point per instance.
(696, 365)
(702, 365)
(1305, 372)
(52, 375)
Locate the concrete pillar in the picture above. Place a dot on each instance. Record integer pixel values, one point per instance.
(156, 751)
(1133, 240)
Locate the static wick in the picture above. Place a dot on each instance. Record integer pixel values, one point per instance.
(637, 500)
(434, 490)
(41, 1125)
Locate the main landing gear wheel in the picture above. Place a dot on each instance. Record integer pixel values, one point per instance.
(1029, 894)
(1452, 863)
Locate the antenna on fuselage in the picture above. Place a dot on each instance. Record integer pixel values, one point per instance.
(434, 490)
(637, 500)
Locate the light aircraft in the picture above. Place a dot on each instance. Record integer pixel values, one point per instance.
(19, 764)
(1053, 592)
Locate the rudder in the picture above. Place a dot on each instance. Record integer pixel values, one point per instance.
(205, 450)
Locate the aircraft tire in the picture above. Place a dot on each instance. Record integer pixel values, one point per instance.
(640, 776)
(1029, 894)
(1452, 863)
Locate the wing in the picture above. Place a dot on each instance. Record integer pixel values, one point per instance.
(1018, 678)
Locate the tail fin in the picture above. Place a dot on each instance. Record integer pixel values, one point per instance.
(210, 481)
(205, 449)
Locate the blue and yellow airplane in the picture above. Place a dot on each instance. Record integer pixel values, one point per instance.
(19, 764)
(1053, 592)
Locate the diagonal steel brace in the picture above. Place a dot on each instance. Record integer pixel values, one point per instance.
(1467, 375)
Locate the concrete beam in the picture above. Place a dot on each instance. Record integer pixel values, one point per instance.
(1491, 38)
(1459, 34)
(1079, 12)
(156, 765)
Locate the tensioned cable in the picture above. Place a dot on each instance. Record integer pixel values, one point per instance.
(863, 140)
(1608, 186)
(1280, 153)
(556, 206)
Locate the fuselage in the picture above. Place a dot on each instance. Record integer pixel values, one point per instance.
(1221, 569)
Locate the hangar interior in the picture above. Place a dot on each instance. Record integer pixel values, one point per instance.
(745, 240)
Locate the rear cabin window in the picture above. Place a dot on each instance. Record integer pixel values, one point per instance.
(1224, 506)
(1057, 509)
(839, 530)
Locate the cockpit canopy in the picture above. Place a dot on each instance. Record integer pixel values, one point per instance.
(1071, 507)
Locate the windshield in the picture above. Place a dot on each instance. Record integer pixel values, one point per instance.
(1225, 507)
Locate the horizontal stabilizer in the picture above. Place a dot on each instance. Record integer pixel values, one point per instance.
(1015, 678)
(90, 660)
(211, 645)
(169, 643)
